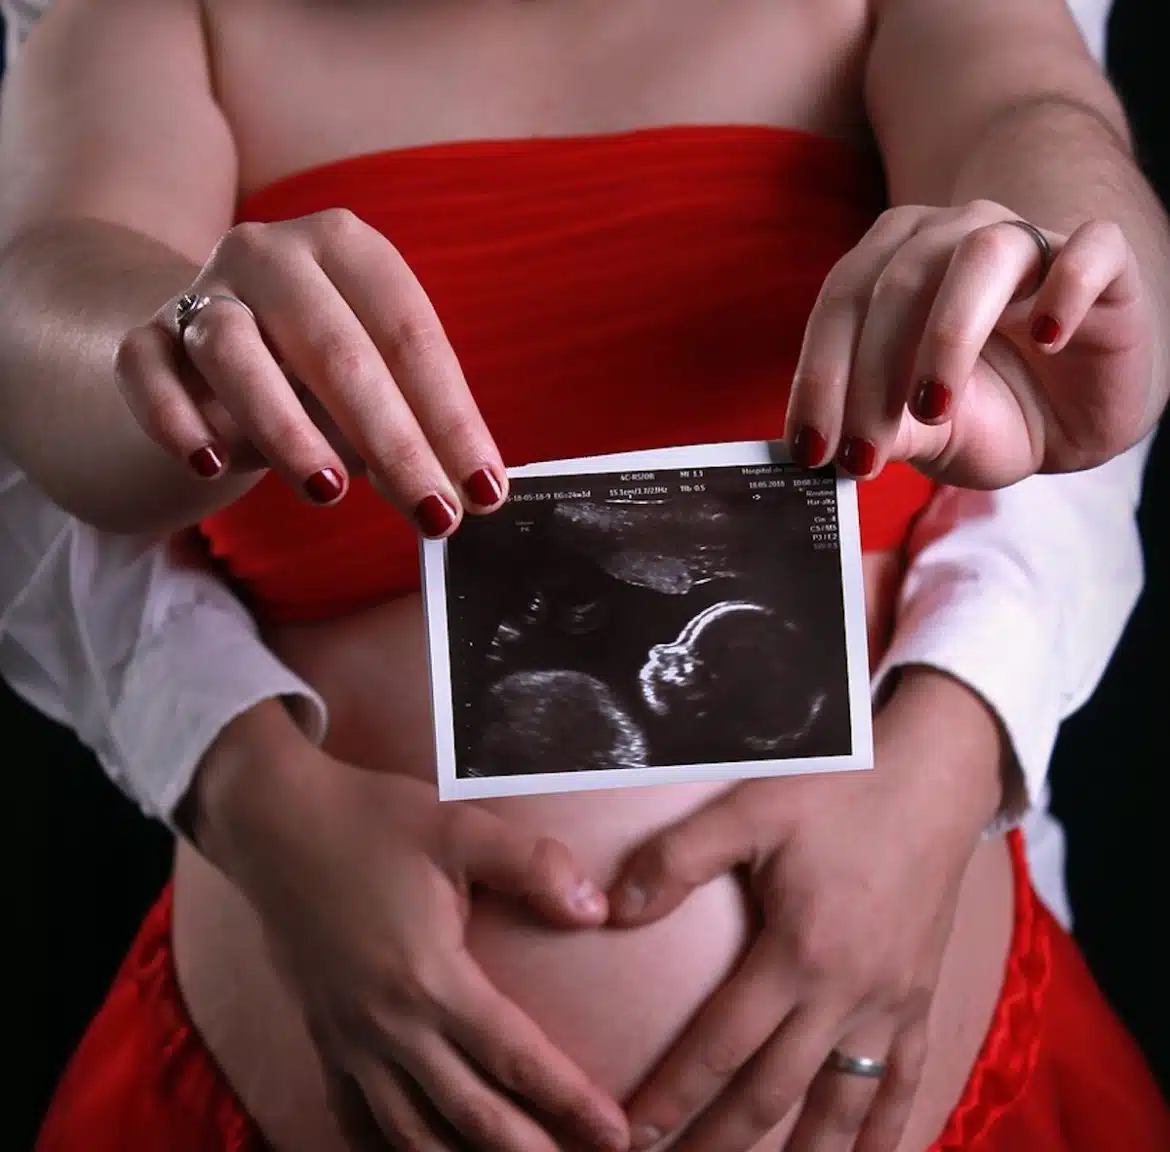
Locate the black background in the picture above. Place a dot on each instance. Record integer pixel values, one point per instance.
(82, 865)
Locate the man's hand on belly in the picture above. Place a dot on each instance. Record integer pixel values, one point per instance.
(362, 882)
(856, 877)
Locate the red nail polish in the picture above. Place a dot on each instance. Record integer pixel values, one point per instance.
(809, 447)
(325, 486)
(434, 515)
(483, 488)
(931, 399)
(206, 462)
(857, 456)
(1045, 330)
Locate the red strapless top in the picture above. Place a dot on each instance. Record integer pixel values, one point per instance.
(603, 293)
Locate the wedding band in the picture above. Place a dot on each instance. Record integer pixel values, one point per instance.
(856, 1065)
(190, 304)
(1042, 244)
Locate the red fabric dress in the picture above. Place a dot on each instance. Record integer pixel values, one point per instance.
(604, 294)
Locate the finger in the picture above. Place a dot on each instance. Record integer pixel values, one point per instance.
(821, 381)
(536, 869)
(725, 1036)
(379, 1115)
(368, 272)
(769, 1087)
(326, 348)
(988, 269)
(224, 344)
(883, 1127)
(896, 315)
(663, 871)
(477, 1112)
(150, 372)
(837, 1102)
(508, 1045)
(1094, 263)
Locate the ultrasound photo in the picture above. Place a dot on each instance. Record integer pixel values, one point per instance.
(646, 624)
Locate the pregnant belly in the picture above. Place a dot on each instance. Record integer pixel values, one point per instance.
(613, 1001)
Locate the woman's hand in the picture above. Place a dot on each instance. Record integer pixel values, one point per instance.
(931, 342)
(856, 878)
(338, 353)
(363, 882)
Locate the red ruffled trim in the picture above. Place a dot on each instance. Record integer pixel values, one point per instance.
(1011, 1048)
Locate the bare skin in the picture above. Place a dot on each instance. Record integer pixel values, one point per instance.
(593, 993)
(357, 77)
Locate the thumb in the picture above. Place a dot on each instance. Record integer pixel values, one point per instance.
(536, 869)
(666, 869)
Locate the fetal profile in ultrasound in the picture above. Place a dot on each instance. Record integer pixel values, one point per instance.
(594, 629)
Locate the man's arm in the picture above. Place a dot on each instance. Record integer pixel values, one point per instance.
(110, 200)
(1031, 123)
(146, 659)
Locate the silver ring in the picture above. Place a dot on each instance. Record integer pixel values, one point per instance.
(1042, 244)
(856, 1065)
(190, 304)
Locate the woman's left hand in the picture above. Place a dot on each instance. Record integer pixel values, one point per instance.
(937, 339)
(856, 879)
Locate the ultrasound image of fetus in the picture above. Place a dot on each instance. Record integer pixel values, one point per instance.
(554, 721)
(654, 545)
(732, 680)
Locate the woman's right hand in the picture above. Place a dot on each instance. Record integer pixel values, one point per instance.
(363, 882)
(345, 360)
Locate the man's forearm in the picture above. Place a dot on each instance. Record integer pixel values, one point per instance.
(1079, 167)
(71, 293)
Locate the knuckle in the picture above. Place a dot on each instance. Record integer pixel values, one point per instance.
(245, 243)
(336, 227)
(986, 247)
(483, 1121)
(1075, 277)
(163, 416)
(522, 1070)
(901, 279)
(284, 435)
(456, 425)
(768, 1103)
(984, 210)
(343, 364)
(415, 335)
(720, 1056)
(839, 291)
(415, 986)
(545, 863)
(948, 334)
(132, 355)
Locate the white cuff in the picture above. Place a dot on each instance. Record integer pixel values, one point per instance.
(172, 708)
(993, 643)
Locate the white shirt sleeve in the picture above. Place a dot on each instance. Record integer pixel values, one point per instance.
(1022, 594)
(144, 658)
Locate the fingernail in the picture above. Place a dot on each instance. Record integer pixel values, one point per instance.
(1045, 330)
(931, 399)
(325, 486)
(644, 1136)
(205, 462)
(633, 899)
(809, 447)
(857, 456)
(483, 488)
(434, 515)
(588, 898)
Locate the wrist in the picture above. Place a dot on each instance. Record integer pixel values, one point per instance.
(248, 776)
(947, 748)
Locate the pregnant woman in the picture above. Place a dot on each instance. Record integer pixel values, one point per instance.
(624, 227)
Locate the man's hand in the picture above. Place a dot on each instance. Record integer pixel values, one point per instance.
(362, 881)
(856, 878)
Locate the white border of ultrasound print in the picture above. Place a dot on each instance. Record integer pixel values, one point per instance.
(434, 573)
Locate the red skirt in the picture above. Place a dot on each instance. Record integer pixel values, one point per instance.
(1056, 1073)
